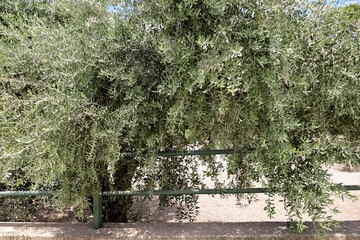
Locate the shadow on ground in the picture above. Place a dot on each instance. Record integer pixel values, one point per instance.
(214, 230)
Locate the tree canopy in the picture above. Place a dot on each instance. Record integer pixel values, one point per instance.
(80, 84)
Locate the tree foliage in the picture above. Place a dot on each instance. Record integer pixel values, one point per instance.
(80, 84)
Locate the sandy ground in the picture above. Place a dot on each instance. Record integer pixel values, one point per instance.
(181, 231)
(220, 209)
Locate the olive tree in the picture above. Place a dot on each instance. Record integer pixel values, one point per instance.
(81, 84)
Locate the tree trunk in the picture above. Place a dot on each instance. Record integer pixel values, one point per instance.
(116, 208)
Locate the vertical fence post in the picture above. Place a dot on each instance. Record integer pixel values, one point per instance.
(97, 211)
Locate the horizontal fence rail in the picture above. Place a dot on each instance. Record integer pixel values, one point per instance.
(26, 193)
(98, 198)
(186, 192)
(158, 192)
(186, 153)
(201, 191)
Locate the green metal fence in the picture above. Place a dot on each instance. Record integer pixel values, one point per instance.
(97, 198)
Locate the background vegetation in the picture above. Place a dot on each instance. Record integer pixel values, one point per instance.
(80, 84)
